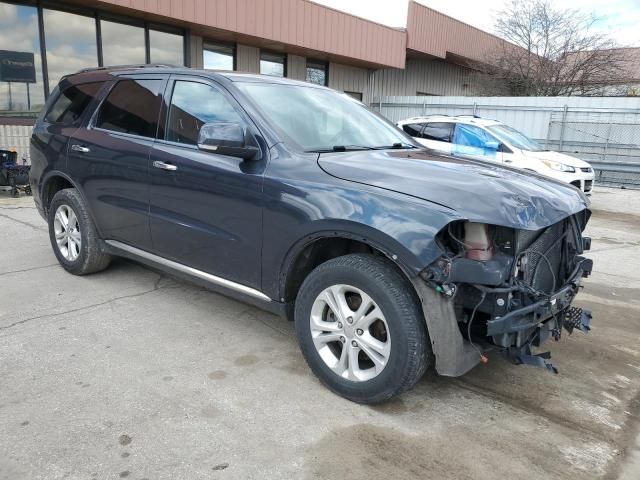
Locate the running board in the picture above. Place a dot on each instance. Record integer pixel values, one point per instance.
(193, 272)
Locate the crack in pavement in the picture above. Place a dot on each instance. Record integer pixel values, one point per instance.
(155, 288)
(35, 227)
(29, 269)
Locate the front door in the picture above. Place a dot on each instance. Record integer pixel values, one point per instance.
(110, 159)
(471, 141)
(206, 208)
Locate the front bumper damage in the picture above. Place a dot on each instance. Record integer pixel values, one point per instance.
(546, 318)
(510, 324)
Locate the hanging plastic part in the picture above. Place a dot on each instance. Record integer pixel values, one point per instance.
(523, 356)
(576, 317)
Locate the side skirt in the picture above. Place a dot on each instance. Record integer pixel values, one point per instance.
(211, 282)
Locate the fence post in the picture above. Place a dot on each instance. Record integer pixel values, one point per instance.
(606, 142)
(475, 108)
(564, 121)
(424, 105)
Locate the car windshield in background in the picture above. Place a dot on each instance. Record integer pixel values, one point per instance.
(320, 120)
(515, 138)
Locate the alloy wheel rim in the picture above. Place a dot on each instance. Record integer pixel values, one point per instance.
(350, 333)
(67, 232)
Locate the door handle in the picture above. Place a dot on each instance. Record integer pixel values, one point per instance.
(80, 148)
(508, 161)
(164, 166)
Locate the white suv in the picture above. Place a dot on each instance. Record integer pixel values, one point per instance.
(475, 137)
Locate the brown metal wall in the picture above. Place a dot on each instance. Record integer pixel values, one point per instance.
(299, 23)
(433, 33)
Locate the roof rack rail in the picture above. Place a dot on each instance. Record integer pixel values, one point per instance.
(124, 67)
(469, 115)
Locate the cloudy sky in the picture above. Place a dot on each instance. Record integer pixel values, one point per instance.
(620, 18)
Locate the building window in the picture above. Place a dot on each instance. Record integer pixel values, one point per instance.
(21, 85)
(272, 64)
(166, 48)
(71, 44)
(218, 57)
(356, 95)
(317, 72)
(122, 44)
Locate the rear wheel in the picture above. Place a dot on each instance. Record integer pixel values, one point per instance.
(361, 329)
(73, 235)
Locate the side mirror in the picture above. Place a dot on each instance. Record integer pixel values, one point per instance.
(226, 138)
(492, 145)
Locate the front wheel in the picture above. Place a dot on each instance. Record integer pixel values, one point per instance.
(361, 328)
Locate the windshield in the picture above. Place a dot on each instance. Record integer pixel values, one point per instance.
(514, 137)
(317, 119)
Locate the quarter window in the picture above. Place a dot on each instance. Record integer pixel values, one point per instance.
(69, 106)
(132, 107)
(440, 132)
(194, 104)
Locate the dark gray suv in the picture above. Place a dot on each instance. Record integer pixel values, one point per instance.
(298, 199)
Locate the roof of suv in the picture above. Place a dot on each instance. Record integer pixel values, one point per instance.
(118, 70)
(468, 119)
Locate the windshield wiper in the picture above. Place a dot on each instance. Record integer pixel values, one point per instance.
(396, 146)
(353, 148)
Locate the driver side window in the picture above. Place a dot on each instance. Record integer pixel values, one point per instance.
(471, 136)
(192, 105)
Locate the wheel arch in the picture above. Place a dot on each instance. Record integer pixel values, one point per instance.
(53, 182)
(320, 246)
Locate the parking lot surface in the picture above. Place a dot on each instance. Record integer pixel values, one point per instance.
(131, 373)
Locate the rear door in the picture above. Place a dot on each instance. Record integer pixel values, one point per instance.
(437, 135)
(206, 208)
(110, 158)
(70, 104)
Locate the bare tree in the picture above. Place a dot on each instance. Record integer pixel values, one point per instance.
(554, 52)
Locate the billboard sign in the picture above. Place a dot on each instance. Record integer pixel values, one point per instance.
(17, 67)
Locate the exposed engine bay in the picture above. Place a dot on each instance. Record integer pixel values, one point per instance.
(512, 289)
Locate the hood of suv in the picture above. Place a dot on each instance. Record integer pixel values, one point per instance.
(557, 157)
(478, 191)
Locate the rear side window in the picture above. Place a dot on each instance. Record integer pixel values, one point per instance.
(72, 102)
(133, 107)
(194, 104)
(440, 132)
(413, 129)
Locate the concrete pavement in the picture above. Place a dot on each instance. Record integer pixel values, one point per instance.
(130, 373)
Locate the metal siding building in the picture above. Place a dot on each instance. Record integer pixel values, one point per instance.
(434, 55)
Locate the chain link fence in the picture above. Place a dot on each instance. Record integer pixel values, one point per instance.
(604, 131)
(612, 147)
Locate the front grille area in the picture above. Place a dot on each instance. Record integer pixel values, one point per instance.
(541, 257)
(588, 185)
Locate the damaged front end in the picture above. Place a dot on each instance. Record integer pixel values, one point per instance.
(503, 288)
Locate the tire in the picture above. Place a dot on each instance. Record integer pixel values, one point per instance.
(88, 256)
(402, 350)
